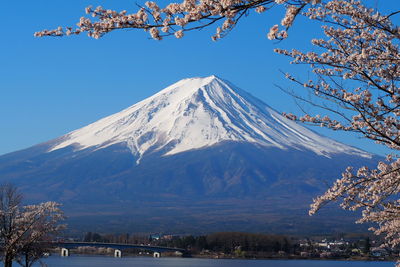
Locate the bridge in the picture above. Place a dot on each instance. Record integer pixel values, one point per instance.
(66, 246)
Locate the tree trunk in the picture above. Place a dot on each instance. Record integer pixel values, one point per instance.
(8, 260)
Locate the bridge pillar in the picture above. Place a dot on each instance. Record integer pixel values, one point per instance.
(156, 254)
(64, 252)
(117, 253)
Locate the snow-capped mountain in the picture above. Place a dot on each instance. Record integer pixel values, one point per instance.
(201, 155)
(197, 113)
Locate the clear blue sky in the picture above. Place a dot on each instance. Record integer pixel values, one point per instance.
(51, 86)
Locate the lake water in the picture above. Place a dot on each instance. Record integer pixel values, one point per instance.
(103, 261)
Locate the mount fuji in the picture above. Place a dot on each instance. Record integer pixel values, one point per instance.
(200, 155)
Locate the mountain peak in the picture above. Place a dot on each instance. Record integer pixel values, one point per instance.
(196, 113)
(191, 85)
(205, 80)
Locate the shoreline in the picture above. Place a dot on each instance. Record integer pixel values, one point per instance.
(226, 257)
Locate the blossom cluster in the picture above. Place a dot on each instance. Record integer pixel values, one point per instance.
(364, 50)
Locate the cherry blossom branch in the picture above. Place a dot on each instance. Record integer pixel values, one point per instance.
(186, 16)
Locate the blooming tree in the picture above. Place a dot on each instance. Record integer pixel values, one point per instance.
(356, 80)
(23, 228)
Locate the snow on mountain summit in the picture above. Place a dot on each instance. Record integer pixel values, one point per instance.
(195, 113)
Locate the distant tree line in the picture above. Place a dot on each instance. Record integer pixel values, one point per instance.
(230, 242)
(224, 242)
(116, 238)
(254, 245)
